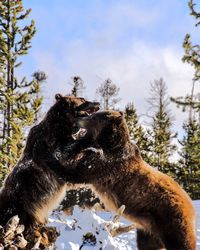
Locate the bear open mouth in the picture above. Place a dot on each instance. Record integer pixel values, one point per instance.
(87, 108)
(92, 110)
(84, 110)
(88, 111)
(80, 134)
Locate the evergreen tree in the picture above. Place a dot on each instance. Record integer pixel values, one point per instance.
(78, 86)
(108, 92)
(160, 132)
(192, 53)
(189, 164)
(137, 132)
(19, 100)
(83, 197)
(191, 56)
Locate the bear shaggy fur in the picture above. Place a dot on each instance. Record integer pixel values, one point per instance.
(33, 189)
(161, 210)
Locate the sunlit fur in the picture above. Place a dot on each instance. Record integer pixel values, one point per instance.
(160, 208)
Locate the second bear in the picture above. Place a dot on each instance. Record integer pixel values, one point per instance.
(161, 210)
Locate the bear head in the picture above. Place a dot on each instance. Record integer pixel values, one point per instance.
(76, 106)
(60, 119)
(107, 128)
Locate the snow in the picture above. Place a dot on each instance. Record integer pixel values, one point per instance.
(72, 229)
(197, 206)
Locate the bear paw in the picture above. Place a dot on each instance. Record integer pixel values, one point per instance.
(95, 150)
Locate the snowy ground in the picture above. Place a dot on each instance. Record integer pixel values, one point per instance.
(86, 222)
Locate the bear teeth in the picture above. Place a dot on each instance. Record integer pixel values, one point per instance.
(80, 134)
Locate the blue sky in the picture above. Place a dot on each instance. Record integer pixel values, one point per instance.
(132, 42)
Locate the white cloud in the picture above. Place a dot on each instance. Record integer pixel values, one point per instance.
(103, 47)
(132, 70)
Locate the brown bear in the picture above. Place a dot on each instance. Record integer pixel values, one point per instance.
(33, 189)
(161, 210)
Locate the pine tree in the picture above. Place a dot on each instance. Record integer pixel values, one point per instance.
(191, 56)
(19, 100)
(189, 163)
(192, 53)
(78, 86)
(137, 132)
(108, 92)
(83, 197)
(160, 132)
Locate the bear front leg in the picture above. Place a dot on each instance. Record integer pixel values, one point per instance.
(96, 149)
(70, 150)
(83, 168)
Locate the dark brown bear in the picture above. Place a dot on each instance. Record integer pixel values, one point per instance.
(161, 210)
(33, 189)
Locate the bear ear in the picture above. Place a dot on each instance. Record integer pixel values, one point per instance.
(58, 97)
